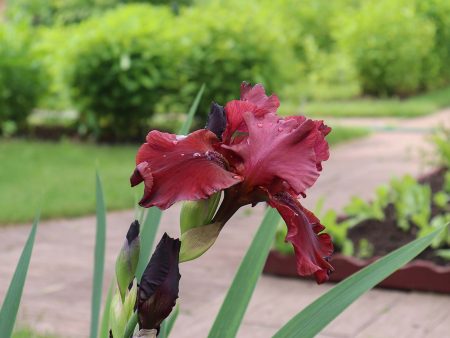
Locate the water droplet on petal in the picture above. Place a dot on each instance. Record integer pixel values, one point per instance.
(260, 125)
(175, 142)
(281, 121)
(164, 155)
(182, 154)
(280, 129)
(237, 177)
(197, 155)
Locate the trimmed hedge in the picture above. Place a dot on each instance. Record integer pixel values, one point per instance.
(391, 45)
(21, 81)
(121, 66)
(139, 59)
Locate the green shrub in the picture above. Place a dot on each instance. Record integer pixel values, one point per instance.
(438, 11)
(390, 44)
(223, 45)
(66, 12)
(122, 64)
(21, 82)
(139, 59)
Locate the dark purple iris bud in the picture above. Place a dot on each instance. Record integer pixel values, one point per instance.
(158, 290)
(133, 232)
(216, 120)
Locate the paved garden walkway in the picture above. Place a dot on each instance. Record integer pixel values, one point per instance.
(57, 294)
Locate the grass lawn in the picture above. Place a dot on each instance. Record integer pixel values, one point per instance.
(415, 106)
(58, 178)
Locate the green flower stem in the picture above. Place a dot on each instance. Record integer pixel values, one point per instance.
(132, 322)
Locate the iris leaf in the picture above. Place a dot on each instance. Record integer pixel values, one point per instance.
(148, 235)
(310, 321)
(104, 327)
(10, 307)
(190, 116)
(238, 297)
(99, 259)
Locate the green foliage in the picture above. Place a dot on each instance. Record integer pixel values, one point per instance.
(21, 81)
(444, 253)
(51, 12)
(365, 249)
(438, 11)
(412, 202)
(391, 45)
(361, 210)
(99, 258)
(218, 48)
(441, 199)
(66, 12)
(10, 305)
(121, 68)
(441, 140)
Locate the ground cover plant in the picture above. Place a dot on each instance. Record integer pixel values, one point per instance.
(149, 309)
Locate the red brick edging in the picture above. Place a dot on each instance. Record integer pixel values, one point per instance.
(419, 275)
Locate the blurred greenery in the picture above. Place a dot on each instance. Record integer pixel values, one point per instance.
(21, 80)
(58, 177)
(118, 63)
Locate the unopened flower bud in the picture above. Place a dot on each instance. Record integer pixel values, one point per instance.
(198, 213)
(128, 258)
(121, 311)
(216, 120)
(158, 290)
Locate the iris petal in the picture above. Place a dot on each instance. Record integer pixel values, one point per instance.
(312, 248)
(254, 100)
(290, 150)
(180, 168)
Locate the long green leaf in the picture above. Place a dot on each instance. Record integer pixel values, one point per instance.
(190, 116)
(99, 259)
(148, 234)
(104, 327)
(236, 301)
(321, 312)
(8, 312)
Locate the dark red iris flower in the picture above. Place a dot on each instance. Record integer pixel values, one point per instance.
(254, 156)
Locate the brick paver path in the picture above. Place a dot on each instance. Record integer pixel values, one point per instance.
(57, 294)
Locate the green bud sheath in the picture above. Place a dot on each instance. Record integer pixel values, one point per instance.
(198, 213)
(196, 241)
(127, 259)
(120, 312)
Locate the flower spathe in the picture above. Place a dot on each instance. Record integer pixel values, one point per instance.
(253, 155)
